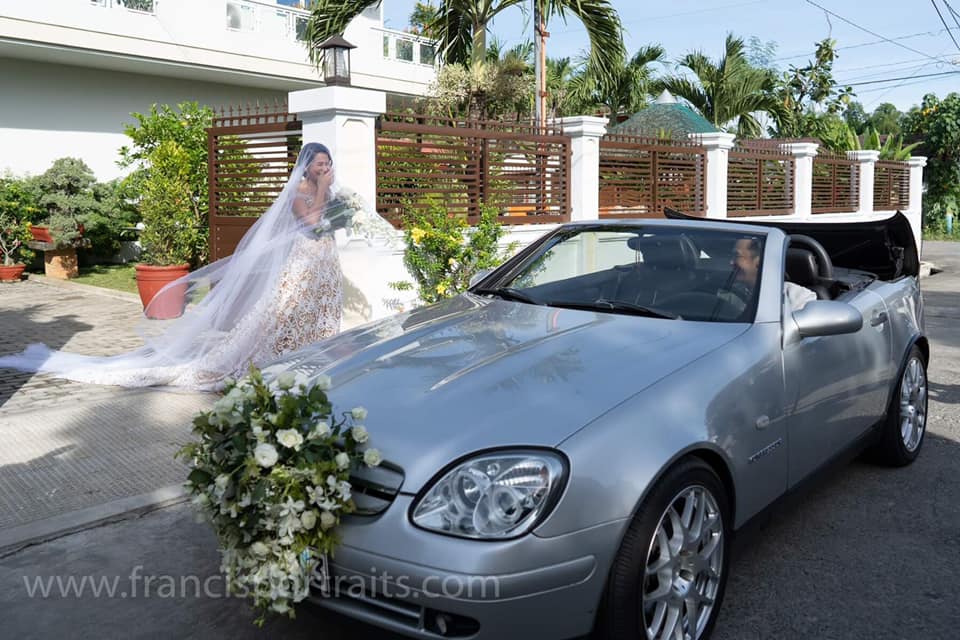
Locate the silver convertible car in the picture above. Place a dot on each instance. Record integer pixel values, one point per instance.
(571, 445)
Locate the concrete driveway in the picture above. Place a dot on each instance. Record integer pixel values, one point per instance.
(868, 552)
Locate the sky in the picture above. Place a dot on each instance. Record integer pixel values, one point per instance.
(896, 72)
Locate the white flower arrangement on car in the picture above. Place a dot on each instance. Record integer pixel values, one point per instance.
(270, 471)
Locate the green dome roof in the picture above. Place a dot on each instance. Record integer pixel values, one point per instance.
(666, 114)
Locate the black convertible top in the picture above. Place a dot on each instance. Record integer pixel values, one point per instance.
(885, 247)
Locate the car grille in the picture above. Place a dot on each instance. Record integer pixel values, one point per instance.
(375, 488)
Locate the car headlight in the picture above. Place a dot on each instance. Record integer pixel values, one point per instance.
(493, 495)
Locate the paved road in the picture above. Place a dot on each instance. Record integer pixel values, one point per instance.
(868, 553)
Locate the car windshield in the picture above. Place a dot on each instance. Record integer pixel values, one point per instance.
(685, 274)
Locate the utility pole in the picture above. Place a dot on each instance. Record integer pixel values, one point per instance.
(540, 65)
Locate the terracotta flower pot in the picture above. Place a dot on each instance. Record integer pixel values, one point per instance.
(41, 233)
(11, 273)
(151, 279)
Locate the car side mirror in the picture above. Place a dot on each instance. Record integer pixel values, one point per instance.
(478, 276)
(827, 318)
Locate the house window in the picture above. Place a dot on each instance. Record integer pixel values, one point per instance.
(405, 50)
(428, 54)
(241, 17)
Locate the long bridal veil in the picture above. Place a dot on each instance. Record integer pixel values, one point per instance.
(200, 348)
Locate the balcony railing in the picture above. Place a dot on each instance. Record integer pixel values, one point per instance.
(269, 19)
(140, 6)
(407, 47)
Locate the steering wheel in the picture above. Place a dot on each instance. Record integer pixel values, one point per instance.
(824, 264)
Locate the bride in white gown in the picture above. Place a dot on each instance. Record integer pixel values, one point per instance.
(280, 290)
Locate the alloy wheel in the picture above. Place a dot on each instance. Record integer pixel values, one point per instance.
(913, 404)
(683, 567)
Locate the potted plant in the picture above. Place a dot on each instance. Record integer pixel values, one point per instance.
(170, 235)
(68, 197)
(14, 236)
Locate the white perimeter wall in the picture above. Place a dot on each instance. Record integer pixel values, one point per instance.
(50, 111)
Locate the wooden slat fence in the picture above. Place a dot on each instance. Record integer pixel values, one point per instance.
(759, 181)
(250, 156)
(524, 173)
(836, 183)
(641, 175)
(891, 186)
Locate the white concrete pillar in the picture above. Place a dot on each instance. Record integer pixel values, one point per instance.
(344, 119)
(584, 133)
(718, 147)
(915, 211)
(803, 155)
(866, 163)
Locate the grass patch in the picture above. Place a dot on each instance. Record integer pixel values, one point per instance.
(120, 277)
(937, 235)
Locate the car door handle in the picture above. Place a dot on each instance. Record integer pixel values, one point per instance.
(878, 318)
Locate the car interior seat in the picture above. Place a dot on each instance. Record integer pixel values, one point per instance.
(802, 270)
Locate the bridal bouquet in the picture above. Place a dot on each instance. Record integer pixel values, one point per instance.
(348, 210)
(270, 471)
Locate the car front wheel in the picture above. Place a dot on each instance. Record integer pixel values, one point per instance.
(668, 577)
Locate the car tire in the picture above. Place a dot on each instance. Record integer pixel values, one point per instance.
(903, 429)
(636, 605)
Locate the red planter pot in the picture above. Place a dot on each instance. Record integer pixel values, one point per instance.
(41, 233)
(11, 273)
(151, 279)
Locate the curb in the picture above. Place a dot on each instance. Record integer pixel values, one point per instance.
(86, 288)
(18, 538)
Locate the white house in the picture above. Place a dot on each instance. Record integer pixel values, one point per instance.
(72, 71)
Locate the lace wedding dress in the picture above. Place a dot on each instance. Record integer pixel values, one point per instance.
(281, 290)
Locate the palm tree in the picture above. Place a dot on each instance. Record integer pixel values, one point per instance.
(624, 90)
(727, 91)
(461, 26)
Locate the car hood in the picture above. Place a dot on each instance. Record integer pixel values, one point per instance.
(474, 373)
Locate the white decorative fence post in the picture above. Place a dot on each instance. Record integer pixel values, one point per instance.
(866, 163)
(585, 133)
(718, 147)
(803, 155)
(915, 211)
(345, 119)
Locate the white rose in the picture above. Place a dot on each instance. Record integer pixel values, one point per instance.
(222, 481)
(359, 413)
(280, 606)
(265, 454)
(308, 519)
(372, 457)
(360, 434)
(342, 459)
(259, 549)
(290, 438)
(320, 430)
(322, 381)
(286, 380)
(327, 520)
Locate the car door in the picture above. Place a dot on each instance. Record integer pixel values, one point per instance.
(835, 386)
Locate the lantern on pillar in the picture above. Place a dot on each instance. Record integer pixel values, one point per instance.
(336, 60)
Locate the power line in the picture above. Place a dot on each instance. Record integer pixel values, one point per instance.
(929, 34)
(873, 33)
(949, 33)
(953, 13)
(928, 75)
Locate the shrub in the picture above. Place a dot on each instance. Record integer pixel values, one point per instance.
(186, 126)
(168, 208)
(443, 252)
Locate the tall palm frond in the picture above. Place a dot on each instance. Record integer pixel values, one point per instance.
(329, 18)
(602, 22)
(727, 91)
